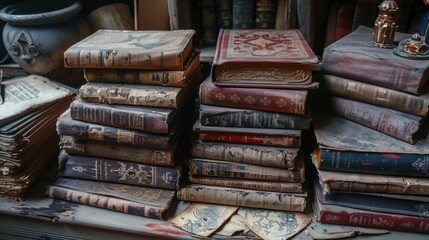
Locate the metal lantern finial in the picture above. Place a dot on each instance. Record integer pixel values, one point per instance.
(385, 25)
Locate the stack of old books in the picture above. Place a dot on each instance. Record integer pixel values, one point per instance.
(372, 164)
(29, 108)
(253, 109)
(122, 137)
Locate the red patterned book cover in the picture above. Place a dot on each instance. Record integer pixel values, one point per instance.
(263, 57)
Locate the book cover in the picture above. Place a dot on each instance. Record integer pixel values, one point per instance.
(168, 50)
(265, 14)
(348, 146)
(262, 58)
(243, 14)
(217, 116)
(272, 100)
(111, 170)
(374, 65)
(150, 77)
(243, 197)
(141, 201)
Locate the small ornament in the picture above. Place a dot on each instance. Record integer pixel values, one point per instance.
(385, 25)
(413, 48)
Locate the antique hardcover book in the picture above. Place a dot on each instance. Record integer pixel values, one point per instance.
(256, 136)
(271, 186)
(178, 78)
(249, 118)
(223, 14)
(272, 100)
(263, 58)
(344, 19)
(265, 14)
(148, 119)
(403, 126)
(243, 153)
(374, 65)
(243, 197)
(84, 130)
(243, 14)
(156, 156)
(210, 29)
(141, 201)
(334, 214)
(351, 147)
(377, 95)
(111, 170)
(214, 168)
(167, 50)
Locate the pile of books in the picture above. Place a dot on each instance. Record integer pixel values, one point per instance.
(253, 109)
(29, 108)
(122, 138)
(372, 156)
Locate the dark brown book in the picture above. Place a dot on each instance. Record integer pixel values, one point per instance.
(148, 119)
(400, 125)
(377, 95)
(265, 14)
(243, 153)
(111, 170)
(151, 77)
(90, 131)
(273, 100)
(167, 50)
(141, 201)
(93, 148)
(374, 65)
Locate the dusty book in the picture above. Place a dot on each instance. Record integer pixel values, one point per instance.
(148, 119)
(374, 65)
(249, 118)
(343, 145)
(272, 100)
(168, 50)
(214, 168)
(377, 95)
(156, 156)
(403, 126)
(295, 202)
(245, 153)
(150, 77)
(263, 58)
(111, 170)
(141, 201)
(84, 130)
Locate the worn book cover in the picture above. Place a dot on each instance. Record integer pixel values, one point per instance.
(374, 65)
(168, 50)
(343, 145)
(142, 201)
(262, 58)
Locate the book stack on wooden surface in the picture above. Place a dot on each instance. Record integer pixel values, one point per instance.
(253, 109)
(371, 157)
(126, 131)
(29, 108)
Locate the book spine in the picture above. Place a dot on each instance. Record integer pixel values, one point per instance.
(365, 13)
(110, 170)
(271, 100)
(265, 14)
(249, 184)
(120, 152)
(223, 13)
(413, 165)
(242, 197)
(250, 138)
(209, 22)
(230, 117)
(83, 130)
(160, 78)
(393, 123)
(344, 20)
(243, 14)
(411, 189)
(96, 200)
(110, 116)
(121, 94)
(376, 95)
(249, 154)
(205, 167)
(375, 220)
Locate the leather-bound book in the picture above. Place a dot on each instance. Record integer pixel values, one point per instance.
(265, 14)
(223, 13)
(167, 50)
(243, 14)
(263, 58)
